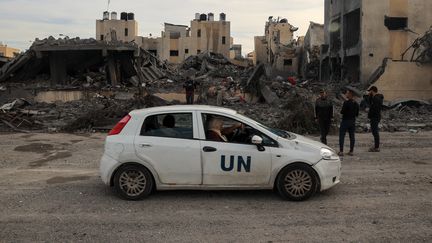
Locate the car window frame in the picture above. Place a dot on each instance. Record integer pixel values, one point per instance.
(193, 120)
(202, 128)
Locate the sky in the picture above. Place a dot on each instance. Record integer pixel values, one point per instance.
(21, 21)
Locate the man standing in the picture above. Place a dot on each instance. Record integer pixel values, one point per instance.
(375, 102)
(189, 86)
(323, 114)
(350, 110)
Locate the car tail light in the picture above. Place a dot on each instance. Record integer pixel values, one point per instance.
(119, 126)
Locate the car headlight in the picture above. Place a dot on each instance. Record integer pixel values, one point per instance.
(328, 154)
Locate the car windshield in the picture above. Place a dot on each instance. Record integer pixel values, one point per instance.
(275, 131)
(278, 132)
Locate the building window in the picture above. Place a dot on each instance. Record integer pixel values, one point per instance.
(126, 31)
(198, 51)
(396, 23)
(153, 52)
(199, 33)
(223, 40)
(174, 53)
(101, 37)
(186, 51)
(288, 62)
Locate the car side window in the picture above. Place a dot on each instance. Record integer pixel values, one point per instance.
(169, 125)
(223, 129)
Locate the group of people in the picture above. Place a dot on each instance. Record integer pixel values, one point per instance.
(350, 111)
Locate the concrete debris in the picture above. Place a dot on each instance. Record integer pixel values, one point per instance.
(422, 49)
(103, 81)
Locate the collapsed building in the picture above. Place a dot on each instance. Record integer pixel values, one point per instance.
(379, 42)
(278, 48)
(177, 42)
(313, 41)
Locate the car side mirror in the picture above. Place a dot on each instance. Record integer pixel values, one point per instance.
(257, 140)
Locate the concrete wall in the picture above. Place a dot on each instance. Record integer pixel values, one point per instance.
(212, 33)
(104, 27)
(260, 53)
(378, 42)
(406, 80)
(6, 51)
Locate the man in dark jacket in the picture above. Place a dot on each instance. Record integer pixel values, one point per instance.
(323, 114)
(350, 111)
(375, 102)
(189, 87)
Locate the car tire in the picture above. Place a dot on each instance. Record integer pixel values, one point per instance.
(296, 182)
(133, 182)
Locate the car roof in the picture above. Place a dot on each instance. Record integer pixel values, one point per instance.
(174, 108)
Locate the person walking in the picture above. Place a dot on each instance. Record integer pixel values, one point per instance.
(375, 102)
(323, 114)
(189, 87)
(350, 111)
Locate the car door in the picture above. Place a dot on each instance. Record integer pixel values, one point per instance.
(168, 142)
(230, 163)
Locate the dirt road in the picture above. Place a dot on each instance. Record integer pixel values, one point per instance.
(50, 191)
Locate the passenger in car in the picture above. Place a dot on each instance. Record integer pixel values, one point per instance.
(168, 124)
(216, 131)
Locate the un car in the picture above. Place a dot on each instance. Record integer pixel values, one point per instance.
(212, 148)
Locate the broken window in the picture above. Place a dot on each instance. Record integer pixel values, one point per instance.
(396, 23)
(186, 51)
(223, 40)
(101, 37)
(288, 62)
(351, 35)
(174, 53)
(154, 52)
(199, 33)
(126, 31)
(174, 35)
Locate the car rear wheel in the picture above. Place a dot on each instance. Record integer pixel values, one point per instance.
(133, 182)
(297, 182)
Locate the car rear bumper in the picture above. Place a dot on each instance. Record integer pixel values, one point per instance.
(329, 172)
(107, 165)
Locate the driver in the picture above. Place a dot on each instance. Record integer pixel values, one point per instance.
(216, 131)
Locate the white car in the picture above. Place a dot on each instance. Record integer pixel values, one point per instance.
(212, 148)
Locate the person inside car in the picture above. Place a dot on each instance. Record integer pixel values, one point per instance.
(216, 132)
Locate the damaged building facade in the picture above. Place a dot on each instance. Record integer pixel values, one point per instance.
(278, 48)
(371, 42)
(313, 41)
(177, 42)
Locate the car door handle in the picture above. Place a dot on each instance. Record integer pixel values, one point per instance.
(209, 149)
(145, 145)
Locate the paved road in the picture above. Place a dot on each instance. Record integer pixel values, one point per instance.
(50, 191)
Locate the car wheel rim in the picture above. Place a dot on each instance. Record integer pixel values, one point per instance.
(298, 183)
(133, 182)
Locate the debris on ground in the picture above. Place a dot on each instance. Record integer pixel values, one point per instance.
(100, 84)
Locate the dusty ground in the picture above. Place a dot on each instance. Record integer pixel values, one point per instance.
(50, 191)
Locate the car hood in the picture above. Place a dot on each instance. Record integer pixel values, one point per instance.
(306, 142)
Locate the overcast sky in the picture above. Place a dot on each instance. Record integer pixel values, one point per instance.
(21, 21)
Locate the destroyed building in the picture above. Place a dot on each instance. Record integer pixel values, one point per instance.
(380, 42)
(278, 48)
(313, 41)
(177, 42)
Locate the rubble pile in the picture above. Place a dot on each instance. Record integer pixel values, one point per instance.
(97, 113)
(117, 77)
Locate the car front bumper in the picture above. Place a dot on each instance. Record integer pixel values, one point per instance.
(329, 172)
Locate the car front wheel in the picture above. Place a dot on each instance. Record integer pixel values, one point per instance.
(297, 182)
(133, 182)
